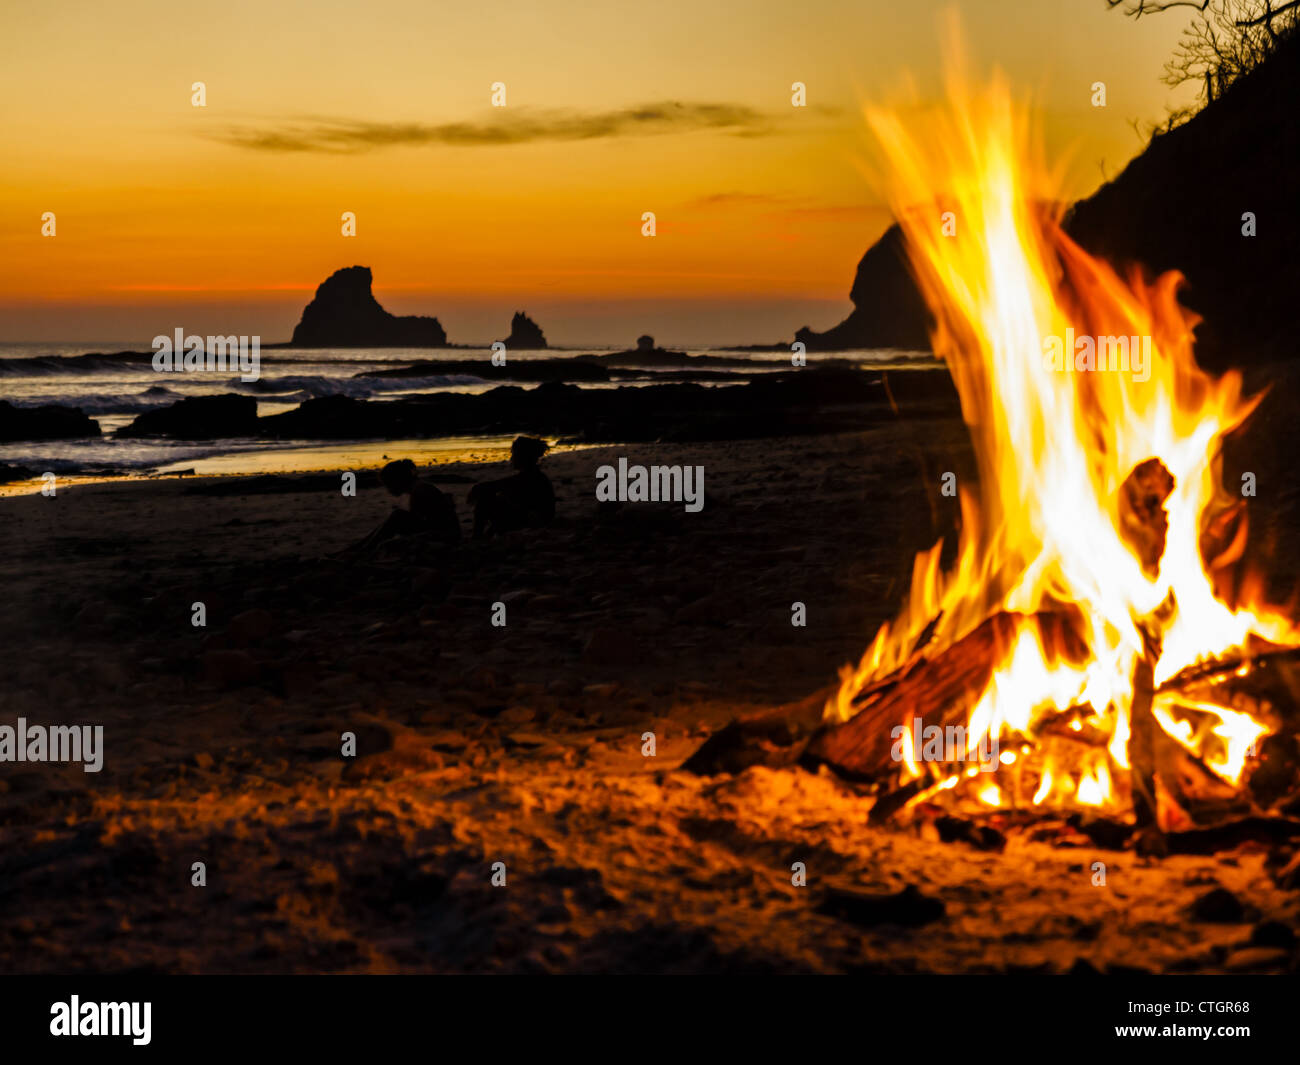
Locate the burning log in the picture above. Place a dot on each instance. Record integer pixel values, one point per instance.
(1271, 672)
(1143, 730)
(939, 689)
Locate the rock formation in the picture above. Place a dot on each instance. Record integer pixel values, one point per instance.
(198, 418)
(525, 334)
(888, 311)
(44, 423)
(1182, 204)
(345, 314)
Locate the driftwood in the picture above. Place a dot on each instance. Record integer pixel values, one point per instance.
(773, 738)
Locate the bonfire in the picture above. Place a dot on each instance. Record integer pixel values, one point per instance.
(1096, 628)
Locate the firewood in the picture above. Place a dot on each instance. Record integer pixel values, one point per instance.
(895, 799)
(1273, 664)
(1143, 729)
(773, 738)
(940, 689)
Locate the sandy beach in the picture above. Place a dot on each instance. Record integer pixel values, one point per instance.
(520, 744)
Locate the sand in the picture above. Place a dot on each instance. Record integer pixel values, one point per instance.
(520, 745)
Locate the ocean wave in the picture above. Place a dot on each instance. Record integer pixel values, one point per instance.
(50, 365)
(314, 387)
(149, 399)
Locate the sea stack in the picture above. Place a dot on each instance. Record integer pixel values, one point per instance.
(345, 314)
(888, 311)
(525, 334)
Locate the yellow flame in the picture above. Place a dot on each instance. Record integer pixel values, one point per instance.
(1055, 441)
(1044, 788)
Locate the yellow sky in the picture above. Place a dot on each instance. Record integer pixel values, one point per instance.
(227, 216)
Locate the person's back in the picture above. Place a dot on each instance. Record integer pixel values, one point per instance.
(431, 511)
(522, 500)
(435, 512)
(531, 496)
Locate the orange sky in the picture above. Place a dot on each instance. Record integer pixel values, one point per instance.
(226, 217)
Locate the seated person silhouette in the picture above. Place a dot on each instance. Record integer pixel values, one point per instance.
(524, 500)
(431, 511)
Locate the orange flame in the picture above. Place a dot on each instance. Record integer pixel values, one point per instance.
(1056, 432)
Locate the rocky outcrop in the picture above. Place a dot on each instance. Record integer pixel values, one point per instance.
(345, 314)
(796, 402)
(1181, 205)
(646, 354)
(549, 369)
(9, 473)
(44, 423)
(198, 418)
(525, 334)
(888, 311)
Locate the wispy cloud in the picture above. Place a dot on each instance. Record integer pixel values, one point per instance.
(508, 126)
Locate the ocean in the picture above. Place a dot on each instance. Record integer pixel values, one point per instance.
(113, 388)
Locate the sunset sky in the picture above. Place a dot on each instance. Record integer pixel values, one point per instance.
(225, 218)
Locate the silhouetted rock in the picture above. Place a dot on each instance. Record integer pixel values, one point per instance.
(646, 354)
(345, 314)
(888, 311)
(44, 423)
(801, 401)
(335, 418)
(812, 400)
(550, 369)
(525, 334)
(1180, 205)
(10, 473)
(1177, 206)
(198, 418)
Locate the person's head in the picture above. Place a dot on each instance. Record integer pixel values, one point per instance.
(527, 451)
(398, 476)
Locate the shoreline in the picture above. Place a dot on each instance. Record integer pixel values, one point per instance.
(332, 457)
(209, 431)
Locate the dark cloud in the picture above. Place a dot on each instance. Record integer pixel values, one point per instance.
(508, 126)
